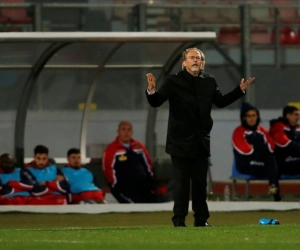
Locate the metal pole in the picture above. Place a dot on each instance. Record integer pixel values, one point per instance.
(38, 17)
(142, 12)
(246, 51)
(277, 40)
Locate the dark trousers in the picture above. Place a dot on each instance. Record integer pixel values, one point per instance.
(190, 172)
(289, 165)
(263, 167)
(260, 167)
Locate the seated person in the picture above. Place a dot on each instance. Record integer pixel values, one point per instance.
(51, 184)
(15, 183)
(285, 132)
(81, 181)
(253, 149)
(128, 168)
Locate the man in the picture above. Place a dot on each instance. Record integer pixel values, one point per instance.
(128, 168)
(15, 184)
(191, 94)
(253, 149)
(51, 184)
(81, 181)
(285, 132)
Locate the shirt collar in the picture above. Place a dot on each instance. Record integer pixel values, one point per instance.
(189, 76)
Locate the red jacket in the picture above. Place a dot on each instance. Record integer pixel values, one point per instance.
(121, 166)
(286, 137)
(251, 143)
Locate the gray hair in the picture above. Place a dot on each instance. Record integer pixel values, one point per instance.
(196, 49)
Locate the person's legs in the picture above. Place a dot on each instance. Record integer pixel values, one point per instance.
(273, 176)
(289, 165)
(146, 194)
(264, 167)
(181, 170)
(199, 167)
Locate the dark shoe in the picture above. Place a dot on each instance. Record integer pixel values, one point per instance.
(202, 224)
(179, 224)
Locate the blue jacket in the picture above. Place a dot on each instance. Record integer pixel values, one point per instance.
(16, 183)
(80, 179)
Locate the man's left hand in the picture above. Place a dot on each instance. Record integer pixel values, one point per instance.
(244, 84)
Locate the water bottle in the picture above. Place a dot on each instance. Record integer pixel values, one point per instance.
(267, 221)
(226, 193)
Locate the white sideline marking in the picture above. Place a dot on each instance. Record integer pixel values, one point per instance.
(44, 241)
(153, 207)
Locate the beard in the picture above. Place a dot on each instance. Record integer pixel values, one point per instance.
(195, 68)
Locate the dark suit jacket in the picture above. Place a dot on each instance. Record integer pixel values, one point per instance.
(190, 103)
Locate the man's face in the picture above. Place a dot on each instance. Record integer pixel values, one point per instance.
(193, 62)
(41, 160)
(125, 132)
(293, 118)
(7, 164)
(251, 117)
(74, 160)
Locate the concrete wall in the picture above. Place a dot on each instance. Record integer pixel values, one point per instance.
(61, 131)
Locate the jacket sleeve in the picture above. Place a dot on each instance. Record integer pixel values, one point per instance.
(108, 160)
(281, 140)
(268, 145)
(37, 189)
(160, 96)
(221, 100)
(26, 182)
(59, 186)
(240, 143)
(148, 160)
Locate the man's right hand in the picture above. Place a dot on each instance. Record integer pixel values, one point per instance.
(59, 178)
(151, 82)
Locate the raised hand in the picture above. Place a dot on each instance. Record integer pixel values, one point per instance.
(151, 82)
(244, 84)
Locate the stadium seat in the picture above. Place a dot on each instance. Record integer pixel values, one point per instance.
(259, 14)
(286, 15)
(287, 36)
(236, 175)
(15, 16)
(231, 15)
(260, 35)
(196, 18)
(229, 35)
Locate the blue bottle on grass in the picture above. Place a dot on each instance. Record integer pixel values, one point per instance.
(266, 221)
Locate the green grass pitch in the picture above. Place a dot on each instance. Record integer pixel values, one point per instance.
(231, 230)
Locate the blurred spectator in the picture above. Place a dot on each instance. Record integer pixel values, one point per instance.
(285, 132)
(51, 184)
(128, 168)
(81, 181)
(253, 149)
(15, 184)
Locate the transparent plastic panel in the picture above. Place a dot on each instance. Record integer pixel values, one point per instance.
(21, 53)
(56, 109)
(11, 85)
